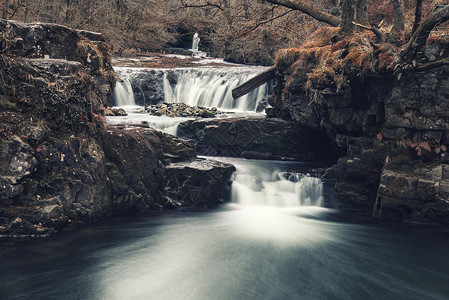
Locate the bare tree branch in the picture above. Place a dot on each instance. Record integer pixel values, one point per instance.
(380, 36)
(362, 12)
(418, 39)
(205, 5)
(5, 9)
(17, 8)
(398, 18)
(309, 10)
(347, 17)
(264, 22)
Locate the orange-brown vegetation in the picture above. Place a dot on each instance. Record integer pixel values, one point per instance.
(326, 59)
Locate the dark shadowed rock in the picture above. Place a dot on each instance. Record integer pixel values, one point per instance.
(258, 138)
(197, 183)
(413, 191)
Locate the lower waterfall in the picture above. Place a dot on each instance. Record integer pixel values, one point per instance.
(273, 184)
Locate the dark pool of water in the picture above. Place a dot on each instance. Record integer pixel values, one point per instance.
(233, 253)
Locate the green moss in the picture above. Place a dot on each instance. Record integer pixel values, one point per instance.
(207, 114)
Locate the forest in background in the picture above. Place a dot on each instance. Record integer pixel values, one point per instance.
(242, 31)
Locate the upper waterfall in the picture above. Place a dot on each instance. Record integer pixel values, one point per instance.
(205, 86)
(123, 93)
(213, 87)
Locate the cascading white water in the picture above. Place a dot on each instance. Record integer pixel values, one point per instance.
(203, 86)
(213, 87)
(285, 189)
(273, 184)
(123, 93)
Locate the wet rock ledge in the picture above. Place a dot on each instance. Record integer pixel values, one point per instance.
(60, 165)
(258, 138)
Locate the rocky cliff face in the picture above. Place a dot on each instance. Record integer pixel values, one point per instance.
(60, 164)
(390, 126)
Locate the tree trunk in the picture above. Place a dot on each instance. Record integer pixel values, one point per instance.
(25, 17)
(5, 9)
(347, 17)
(254, 82)
(418, 40)
(309, 10)
(398, 18)
(418, 14)
(245, 7)
(362, 12)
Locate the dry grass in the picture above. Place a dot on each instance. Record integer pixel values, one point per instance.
(327, 60)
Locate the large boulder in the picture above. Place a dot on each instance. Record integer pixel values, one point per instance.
(197, 183)
(413, 191)
(257, 138)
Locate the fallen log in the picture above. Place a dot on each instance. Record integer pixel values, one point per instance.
(254, 82)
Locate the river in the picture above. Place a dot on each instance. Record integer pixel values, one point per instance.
(275, 240)
(257, 247)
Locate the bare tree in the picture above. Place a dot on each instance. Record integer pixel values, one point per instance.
(347, 16)
(409, 51)
(418, 16)
(5, 9)
(398, 18)
(362, 12)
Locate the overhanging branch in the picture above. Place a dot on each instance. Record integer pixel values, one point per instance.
(309, 10)
(433, 65)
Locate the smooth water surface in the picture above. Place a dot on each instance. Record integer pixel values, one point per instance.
(243, 250)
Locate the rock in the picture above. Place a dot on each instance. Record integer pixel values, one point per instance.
(413, 193)
(199, 183)
(207, 114)
(370, 118)
(58, 67)
(119, 112)
(20, 226)
(50, 212)
(257, 137)
(181, 110)
(147, 85)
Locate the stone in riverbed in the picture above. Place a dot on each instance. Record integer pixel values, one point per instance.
(181, 110)
(20, 226)
(198, 183)
(117, 112)
(413, 191)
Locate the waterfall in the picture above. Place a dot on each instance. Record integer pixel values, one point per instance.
(260, 185)
(123, 93)
(206, 86)
(195, 42)
(212, 87)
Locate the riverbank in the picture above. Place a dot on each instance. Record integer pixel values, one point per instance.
(61, 164)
